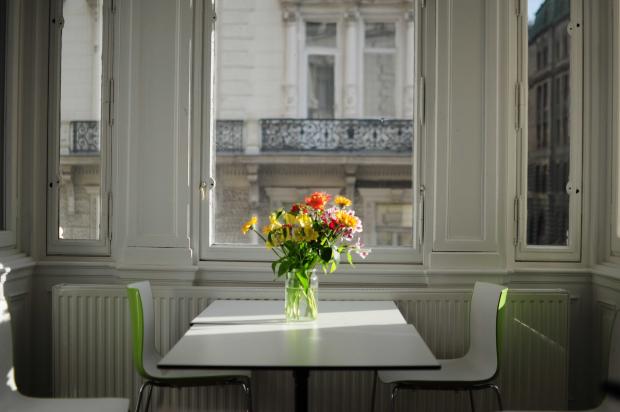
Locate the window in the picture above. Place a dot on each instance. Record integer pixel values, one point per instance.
(80, 118)
(380, 70)
(3, 55)
(615, 212)
(316, 97)
(550, 222)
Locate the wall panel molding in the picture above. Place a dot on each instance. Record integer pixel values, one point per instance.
(467, 126)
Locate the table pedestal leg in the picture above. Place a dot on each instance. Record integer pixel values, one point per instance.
(301, 389)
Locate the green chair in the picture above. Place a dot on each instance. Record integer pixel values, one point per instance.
(146, 357)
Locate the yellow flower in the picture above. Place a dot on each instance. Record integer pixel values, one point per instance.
(304, 220)
(266, 229)
(298, 234)
(249, 224)
(311, 234)
(345, 219)
(290, 219)
(342, 201)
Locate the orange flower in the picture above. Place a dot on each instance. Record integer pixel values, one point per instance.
(342, 201)
(318, 200)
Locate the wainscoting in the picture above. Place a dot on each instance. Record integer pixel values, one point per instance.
(92, 356)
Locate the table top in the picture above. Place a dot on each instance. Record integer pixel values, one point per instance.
(252, 334)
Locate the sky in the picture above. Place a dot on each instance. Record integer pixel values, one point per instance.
(532, 8)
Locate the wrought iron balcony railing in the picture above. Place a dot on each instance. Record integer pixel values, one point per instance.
(229, 135)
(337, 135)
(85, 135)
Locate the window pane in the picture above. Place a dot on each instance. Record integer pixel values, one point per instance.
(80, 116)
(394, 225)
(320, 87)
(548, 122)
(282, 131)
(379, 85)
(380, 35)
(3, 29)
(321, 34)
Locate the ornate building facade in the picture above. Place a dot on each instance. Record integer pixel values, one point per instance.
(548, 124)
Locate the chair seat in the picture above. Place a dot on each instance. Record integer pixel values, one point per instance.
(461, 370)
(217, 375)
(21, 403)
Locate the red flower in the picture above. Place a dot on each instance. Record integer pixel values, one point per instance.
(295, 208)
(318, 200)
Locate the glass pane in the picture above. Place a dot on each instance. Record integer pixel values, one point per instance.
(80, 116)
(548, 122)
(282, 133)
(379, 85)
(380, 35)
(394, 223)
(3, 29)
(320, 87)
(321, 34)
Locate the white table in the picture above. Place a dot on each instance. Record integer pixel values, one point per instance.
(252, 334)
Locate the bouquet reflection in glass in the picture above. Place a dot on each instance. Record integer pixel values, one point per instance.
(309, 235)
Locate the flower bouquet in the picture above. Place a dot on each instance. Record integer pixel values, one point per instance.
(309, 235)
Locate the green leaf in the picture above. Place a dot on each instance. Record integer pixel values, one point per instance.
(349, 258)
(273, 266)
(283, 268)
(326, 254)
(302, 279)
(333, 268)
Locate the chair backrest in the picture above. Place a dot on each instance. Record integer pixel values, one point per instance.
(145, 355)
(487, 303)
(7, 382)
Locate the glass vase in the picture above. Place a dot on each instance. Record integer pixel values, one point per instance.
(301, 296)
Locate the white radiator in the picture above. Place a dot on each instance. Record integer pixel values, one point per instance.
(92, 350)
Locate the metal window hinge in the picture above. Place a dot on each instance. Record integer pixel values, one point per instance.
(516, 221)
(113, 6)
(214, 17)
(422, 3)
(517, 105)
(204, 186)
(518, 8)
(111, 102)
(110, 215)
(422, 100)
(421, 214)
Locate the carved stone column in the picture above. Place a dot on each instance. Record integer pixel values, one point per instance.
(351, 19)
(291, 100)
(409, 90)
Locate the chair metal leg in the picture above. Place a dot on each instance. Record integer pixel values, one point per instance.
(374, 391)
(148, 398)
(471, 400)
(395, 390)
(498, 395)
(144, 385)
(247, 388)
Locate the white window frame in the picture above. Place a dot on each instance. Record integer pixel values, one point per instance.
(571, 252)
(615, 141)
(8, 236)
(86, 247)
(209, 251)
